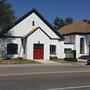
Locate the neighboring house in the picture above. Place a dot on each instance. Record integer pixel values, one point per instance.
(77, 39)
(33, 38)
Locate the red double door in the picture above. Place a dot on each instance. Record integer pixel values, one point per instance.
(38, 51)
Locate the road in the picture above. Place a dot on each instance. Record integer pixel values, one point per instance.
(45, 77)
(40, 68)
(67, 81)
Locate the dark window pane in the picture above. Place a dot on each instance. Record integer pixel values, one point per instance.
(38, 45)
(12, 48)
(33, 23)
(82, 45)
(52, 49)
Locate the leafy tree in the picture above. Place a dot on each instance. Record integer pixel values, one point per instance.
(7, 17)
(84, 20)
(68, 20)
(87, 21)
(58, 23)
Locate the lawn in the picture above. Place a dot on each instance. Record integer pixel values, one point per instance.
(59, 60)
(64, 61)
(17, 61)
(72, 61)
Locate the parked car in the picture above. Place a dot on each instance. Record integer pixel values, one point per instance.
(88, 61)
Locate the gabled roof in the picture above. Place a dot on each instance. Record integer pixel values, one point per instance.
(75, 28)
(40, 16)
(31, 32)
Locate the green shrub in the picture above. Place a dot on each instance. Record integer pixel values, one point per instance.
(53, 57)
(70, 59)
(18, 58)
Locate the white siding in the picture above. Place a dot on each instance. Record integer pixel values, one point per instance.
(88, 43)
(69, 46)
(77, 45)
(20, 48)
(39, 37)
(69, 39)
(25, 26)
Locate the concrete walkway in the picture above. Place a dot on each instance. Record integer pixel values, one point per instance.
(47, 62)
(83, 60)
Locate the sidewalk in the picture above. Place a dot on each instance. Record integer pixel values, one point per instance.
(46, 62)
(49, 62)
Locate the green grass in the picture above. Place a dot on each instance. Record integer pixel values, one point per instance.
(18, 62)
(59, 60)
(63, 61)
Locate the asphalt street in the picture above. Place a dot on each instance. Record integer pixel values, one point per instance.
(41, 68)
(63, 81)
(45, 77)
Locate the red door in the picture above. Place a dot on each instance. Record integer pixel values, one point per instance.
(38, 51)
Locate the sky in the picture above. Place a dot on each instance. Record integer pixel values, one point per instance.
(49, 9)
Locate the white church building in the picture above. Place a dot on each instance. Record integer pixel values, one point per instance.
(32, 37)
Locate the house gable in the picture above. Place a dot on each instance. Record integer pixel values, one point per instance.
(24, 25)
(38, 28)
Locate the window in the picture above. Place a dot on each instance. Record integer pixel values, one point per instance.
(33, 23)
(69, 39)
(66, 50)
(82, 45)
(68, 53)
(12, 48)
(24, 44)
(52, 49)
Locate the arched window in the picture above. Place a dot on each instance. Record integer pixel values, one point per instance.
(12, 48)
(82, 45)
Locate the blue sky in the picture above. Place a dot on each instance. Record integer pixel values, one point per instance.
(77, 9)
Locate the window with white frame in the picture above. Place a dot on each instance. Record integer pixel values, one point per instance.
(53, 49)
